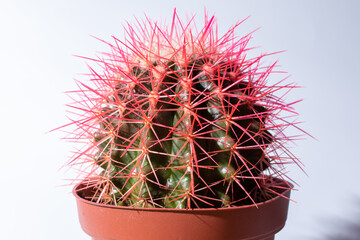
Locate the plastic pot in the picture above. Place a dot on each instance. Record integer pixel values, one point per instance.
(109, 222)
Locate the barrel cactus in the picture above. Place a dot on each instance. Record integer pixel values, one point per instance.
(180, 117)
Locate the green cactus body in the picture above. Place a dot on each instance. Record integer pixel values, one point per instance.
(182, 120)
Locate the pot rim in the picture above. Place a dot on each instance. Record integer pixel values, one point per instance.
(282, 194)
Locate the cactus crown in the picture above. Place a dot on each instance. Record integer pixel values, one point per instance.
(181, 118)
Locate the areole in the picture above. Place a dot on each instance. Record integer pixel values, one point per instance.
(109, 222)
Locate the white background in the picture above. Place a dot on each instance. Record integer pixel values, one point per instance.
(39, 38)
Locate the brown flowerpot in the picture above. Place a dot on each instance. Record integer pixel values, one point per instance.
(108, 222)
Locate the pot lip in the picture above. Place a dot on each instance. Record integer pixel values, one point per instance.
(199, 210)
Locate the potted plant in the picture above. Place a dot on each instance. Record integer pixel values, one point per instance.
(184, 138)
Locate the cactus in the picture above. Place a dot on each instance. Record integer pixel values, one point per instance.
(181, 118)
